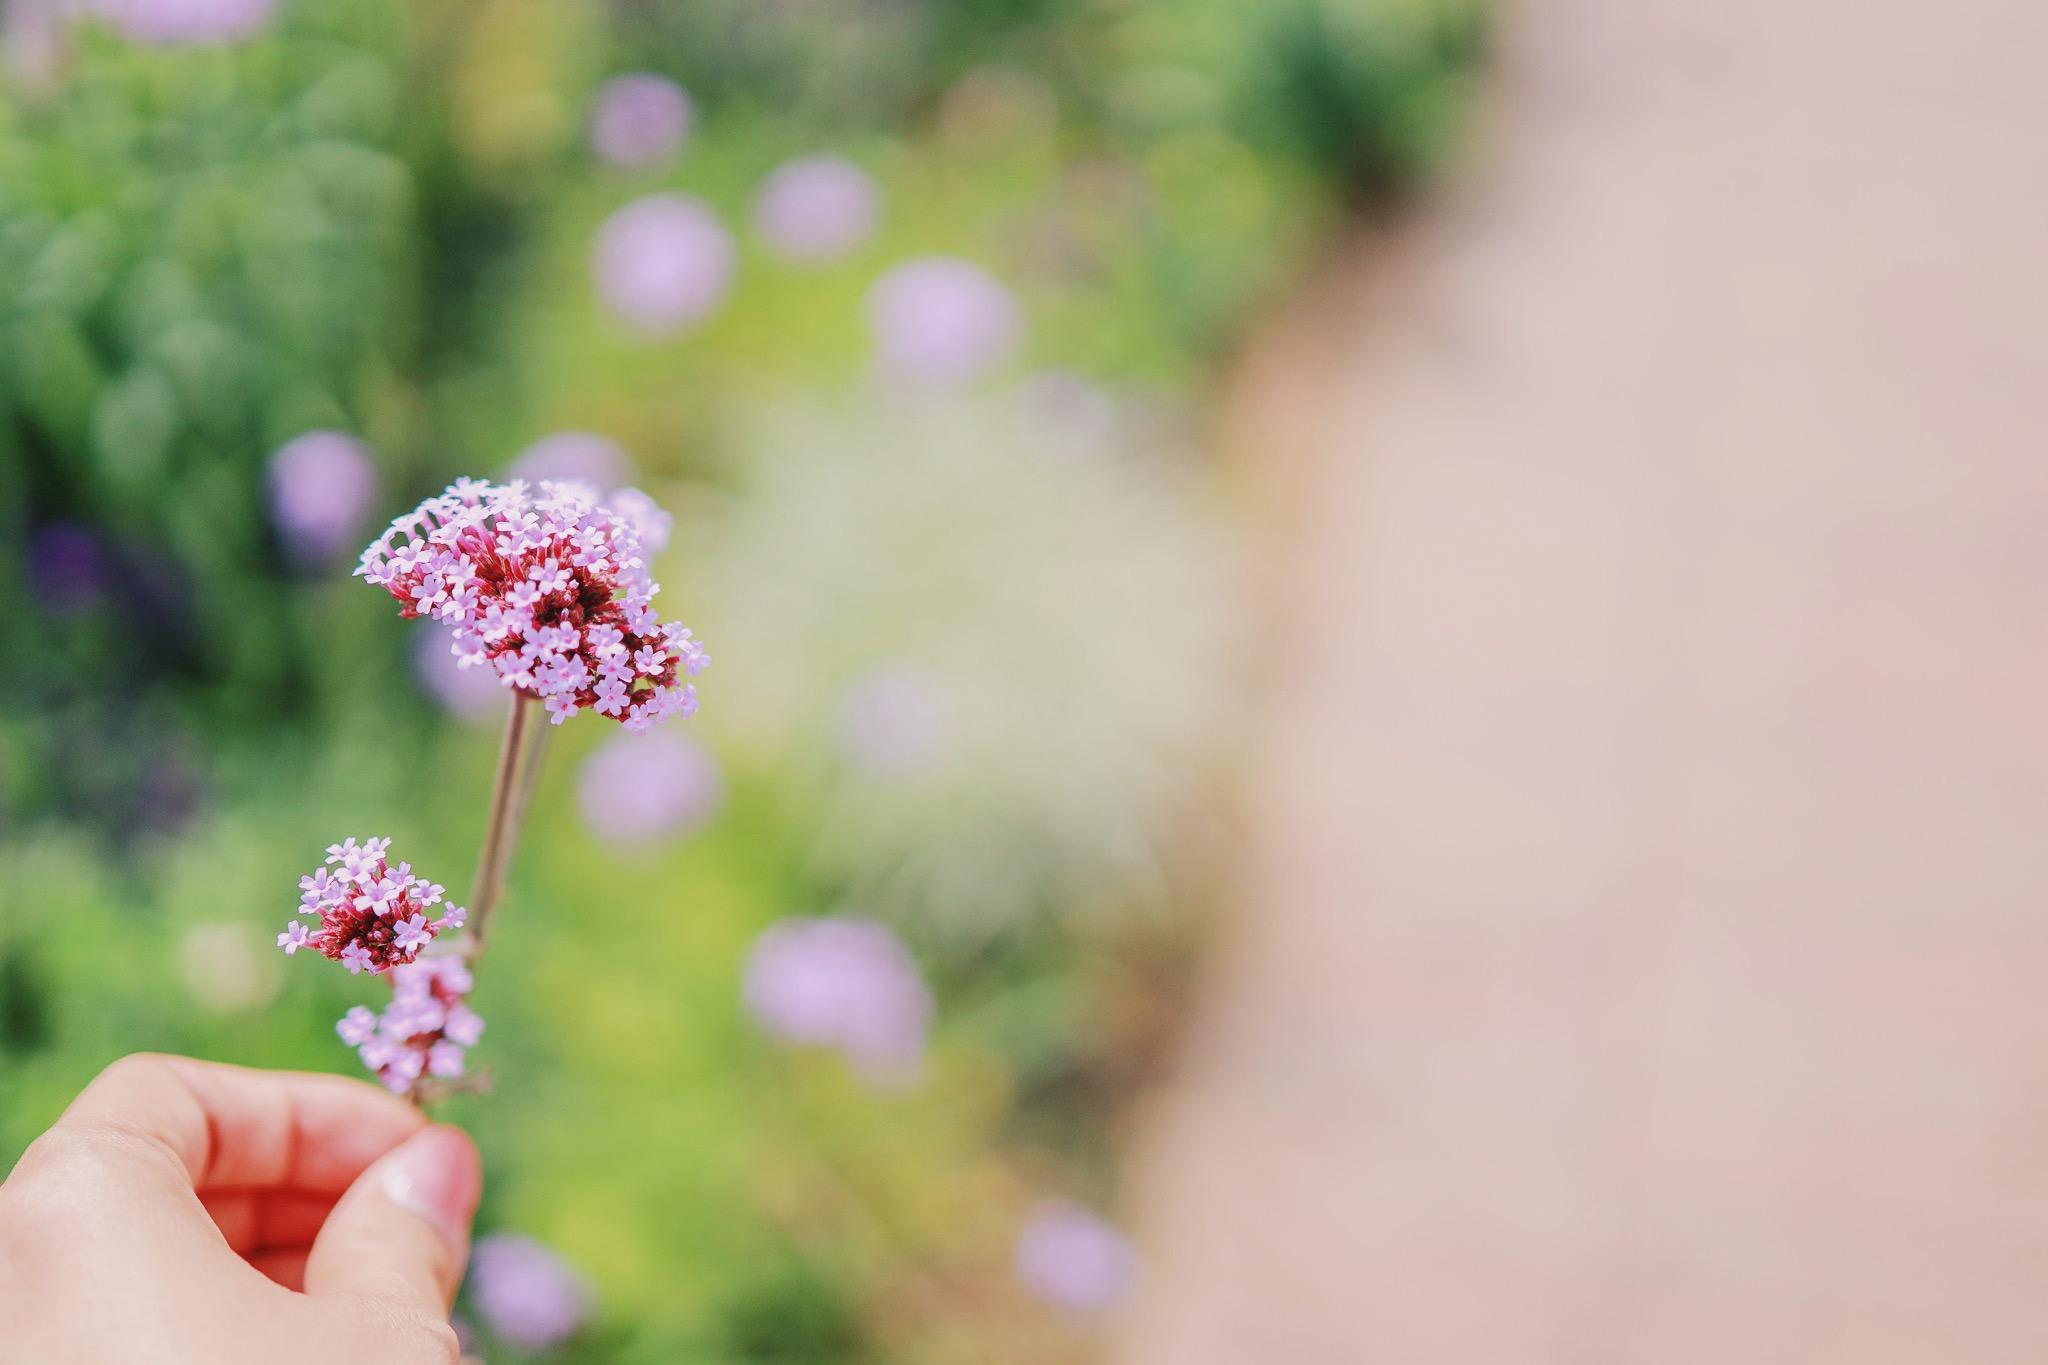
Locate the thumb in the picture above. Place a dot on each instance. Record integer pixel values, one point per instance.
(401, 1232)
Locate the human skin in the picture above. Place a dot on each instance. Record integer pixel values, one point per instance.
(185, 1211)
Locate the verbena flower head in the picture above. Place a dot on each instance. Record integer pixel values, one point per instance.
(550, 591)
(426, 1030)
(372, 914)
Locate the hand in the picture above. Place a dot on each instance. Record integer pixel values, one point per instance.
(191, 1213)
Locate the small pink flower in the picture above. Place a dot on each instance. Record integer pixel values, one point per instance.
(293, 938)
(358, 1026)
(412, 934)
(314, 888)
(464, 1026)
(356, 958)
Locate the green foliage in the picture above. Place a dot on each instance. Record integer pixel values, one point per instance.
(377, 216)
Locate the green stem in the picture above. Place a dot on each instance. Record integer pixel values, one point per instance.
(511, 790)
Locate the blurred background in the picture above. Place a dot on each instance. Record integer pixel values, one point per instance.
(1378, 662)
(817, 1023)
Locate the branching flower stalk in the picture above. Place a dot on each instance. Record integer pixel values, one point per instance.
(551, 592)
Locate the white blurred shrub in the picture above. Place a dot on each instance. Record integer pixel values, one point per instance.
(1003, 669)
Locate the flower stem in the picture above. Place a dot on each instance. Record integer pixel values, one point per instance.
(511, 790)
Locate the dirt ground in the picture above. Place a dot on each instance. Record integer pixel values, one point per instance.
(1642, 954)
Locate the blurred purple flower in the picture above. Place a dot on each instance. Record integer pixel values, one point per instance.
(640, 120)
(1073, 1259)
(525, 1293)
(663, 263)
(842, 982)
(167, 22)
(68, 568)
(639, 788)
(941, 320)
(580, 455)
(649, 521)
(473, 694)
(816, 208)
(322, 487)
(892, 721)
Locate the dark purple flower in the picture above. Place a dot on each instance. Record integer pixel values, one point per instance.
(1073, 1259)
(640, 120)
(816, 208)
(663, 263)
(525, 1293)
(69, 569)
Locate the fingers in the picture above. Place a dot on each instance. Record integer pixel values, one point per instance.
(287, 1267)
(212, 1126)
(400, 1234)
(267, 1220)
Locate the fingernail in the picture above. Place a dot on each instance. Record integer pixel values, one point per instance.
(435, 1174)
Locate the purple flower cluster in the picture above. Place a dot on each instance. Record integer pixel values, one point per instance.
(816, 207)
(635, 790)
(663, 263)
(842, 982)
(173, 22)
(580, 455)
(525, 1293)
(428, 1027)
(1073, 1259)
(322, 484)
(640, 120)
(551, 592)
(373, 915)
(940, 320)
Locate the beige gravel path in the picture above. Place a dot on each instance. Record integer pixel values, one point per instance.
(1644, 952)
